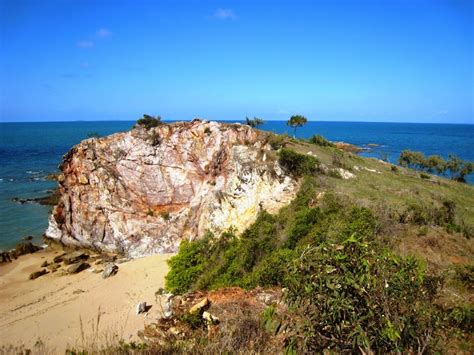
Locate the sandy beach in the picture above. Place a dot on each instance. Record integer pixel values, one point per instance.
(63, 311)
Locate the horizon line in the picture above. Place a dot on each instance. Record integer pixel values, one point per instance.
(243, 120)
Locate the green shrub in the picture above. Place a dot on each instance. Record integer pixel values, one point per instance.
(298, 164)
(187, 265)
(277, 141)
(321, 141)
(425, 176)
(148, 121)
(353, 295)
(462, 317)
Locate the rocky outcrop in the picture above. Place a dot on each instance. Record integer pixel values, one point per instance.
(143, 191)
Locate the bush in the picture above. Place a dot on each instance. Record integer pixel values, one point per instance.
(255, 122)
(276, 141)
(425, 176)
(187, 265)
(298, 164)
(353, 295)
(149, 122)
(321, 141)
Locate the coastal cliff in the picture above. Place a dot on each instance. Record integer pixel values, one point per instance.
(141, 192)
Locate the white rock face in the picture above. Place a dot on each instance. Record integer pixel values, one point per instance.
(142, 192)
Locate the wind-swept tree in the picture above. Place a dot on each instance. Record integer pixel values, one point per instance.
(255, 122)
(434, 163)
(295, 122)
(148, 121)
(411, 159)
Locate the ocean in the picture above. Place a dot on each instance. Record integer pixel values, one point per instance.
(31, 151)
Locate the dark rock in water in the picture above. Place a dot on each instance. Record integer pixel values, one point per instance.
(28, 238)
(109, 270)
(23, 248)
(49, 200)
(76, 268)
(5, 257)
(74, 257)
(37, 274)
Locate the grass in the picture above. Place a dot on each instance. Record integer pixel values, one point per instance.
(331, 252)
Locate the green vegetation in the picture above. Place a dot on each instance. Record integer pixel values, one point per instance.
(435, 164)
(296, 121)
(277, 141)
(321, 141)
(345, 290)
(149, 122)
(297, 164)
(255, 122)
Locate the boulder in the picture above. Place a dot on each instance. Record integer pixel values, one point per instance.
(74, 257)
(110, 269)
(5, 257)
(141, 307)
(37, 274)
(53, 267)
(78, 267)
(126, 194)
(209, 318)
(44, 264)
(168, 307)
(59, 258)
(200, 306)
(23, 248)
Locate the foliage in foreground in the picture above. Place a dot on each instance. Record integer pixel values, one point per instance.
(346, 292)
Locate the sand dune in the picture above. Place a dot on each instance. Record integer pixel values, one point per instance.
(52, 307)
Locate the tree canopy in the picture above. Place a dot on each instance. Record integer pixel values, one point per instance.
(296, 121)
(255, 122)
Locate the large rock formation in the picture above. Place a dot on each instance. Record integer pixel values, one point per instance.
(143, 191)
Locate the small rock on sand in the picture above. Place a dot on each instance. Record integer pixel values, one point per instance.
(109, 270)
(141, 307)
(37, 274)
(76, 268)
(74, 257)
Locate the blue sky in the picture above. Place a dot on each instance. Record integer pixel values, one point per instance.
(392, 60)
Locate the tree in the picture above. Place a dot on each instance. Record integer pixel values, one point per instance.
(295, 122)
(148, 121)
(255, 122)
(435, 163)
(411, 159)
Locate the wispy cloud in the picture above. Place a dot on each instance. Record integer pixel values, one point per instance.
(85, 44)
(103, 33)
(224, 14)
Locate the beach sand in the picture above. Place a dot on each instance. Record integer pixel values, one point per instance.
(52, 307)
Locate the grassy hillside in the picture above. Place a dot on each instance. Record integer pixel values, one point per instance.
(373, 257)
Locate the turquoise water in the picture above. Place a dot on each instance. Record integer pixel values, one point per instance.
(30, 151)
